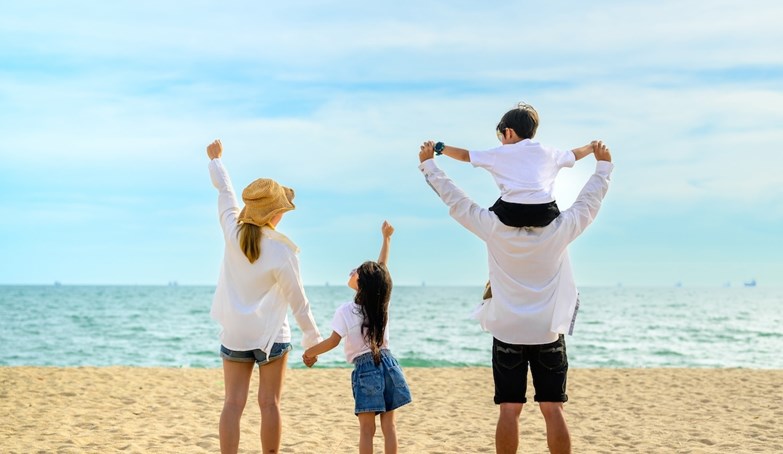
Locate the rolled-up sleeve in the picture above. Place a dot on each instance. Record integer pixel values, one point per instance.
(565, 158)
(293, 292)
(483, 159)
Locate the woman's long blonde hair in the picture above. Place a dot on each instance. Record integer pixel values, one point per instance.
(250, 240)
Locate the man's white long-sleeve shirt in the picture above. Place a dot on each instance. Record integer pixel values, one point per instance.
(252, 299)
(534, 297)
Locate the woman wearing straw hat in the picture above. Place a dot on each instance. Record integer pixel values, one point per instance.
(259, 280)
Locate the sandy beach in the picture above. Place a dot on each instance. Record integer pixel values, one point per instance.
(125, 409)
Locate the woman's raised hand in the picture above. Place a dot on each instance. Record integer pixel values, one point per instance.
(215, 149)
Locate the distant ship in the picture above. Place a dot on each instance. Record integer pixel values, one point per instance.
(57, 283)
(173, 284)
(678, 284)
(750, 283)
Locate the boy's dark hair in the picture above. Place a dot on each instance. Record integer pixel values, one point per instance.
(374, 291)
(523, 120)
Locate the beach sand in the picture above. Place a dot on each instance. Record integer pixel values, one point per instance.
(156, 410)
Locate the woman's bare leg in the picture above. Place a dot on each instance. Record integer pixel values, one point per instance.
(270, 388)
(236, 378)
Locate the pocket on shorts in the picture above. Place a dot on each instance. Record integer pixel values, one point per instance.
(553, 356)
(509, 357)
(370, 383)
(397, 377)
(280, 349)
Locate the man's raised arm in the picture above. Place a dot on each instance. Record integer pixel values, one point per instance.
(584, 210)
(474, 218)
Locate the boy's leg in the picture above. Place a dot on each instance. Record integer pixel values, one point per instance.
(389, 429)
(487, 291)
(366, 432)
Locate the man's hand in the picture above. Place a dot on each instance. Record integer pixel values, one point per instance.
(601, 151)
(427, 151)
(387, 229)
(215, 149)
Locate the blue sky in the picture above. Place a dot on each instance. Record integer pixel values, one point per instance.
(106, 109)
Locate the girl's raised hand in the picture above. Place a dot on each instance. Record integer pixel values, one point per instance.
(386, 229)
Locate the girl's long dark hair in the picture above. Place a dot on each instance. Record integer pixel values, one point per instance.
(373, 295)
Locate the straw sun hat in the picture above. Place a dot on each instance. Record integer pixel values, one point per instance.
(264, 199)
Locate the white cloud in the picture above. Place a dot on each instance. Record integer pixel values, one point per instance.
(335, 99)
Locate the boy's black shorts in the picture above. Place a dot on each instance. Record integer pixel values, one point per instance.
(548, 366)
(524, 215)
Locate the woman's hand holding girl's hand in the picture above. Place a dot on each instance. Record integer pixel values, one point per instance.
(386, 229)
(215, 149)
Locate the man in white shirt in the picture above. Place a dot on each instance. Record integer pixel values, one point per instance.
(534, 298)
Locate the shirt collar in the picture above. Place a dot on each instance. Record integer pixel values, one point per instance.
(277, 236)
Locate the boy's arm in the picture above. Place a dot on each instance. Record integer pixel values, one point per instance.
(386, 230)
(460, 154)
(583, 151)
(322, 347)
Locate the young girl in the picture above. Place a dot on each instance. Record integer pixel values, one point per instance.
(379, 386)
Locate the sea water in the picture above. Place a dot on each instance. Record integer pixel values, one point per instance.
(430, 326)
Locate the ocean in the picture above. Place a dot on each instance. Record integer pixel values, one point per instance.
(170, 326)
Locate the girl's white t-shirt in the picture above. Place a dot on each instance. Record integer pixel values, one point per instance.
(525, 171)
(347, 322)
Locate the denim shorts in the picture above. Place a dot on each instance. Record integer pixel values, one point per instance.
(380, 388)
(278, 350)
(548, 366)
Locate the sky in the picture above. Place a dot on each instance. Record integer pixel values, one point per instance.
(106, 109)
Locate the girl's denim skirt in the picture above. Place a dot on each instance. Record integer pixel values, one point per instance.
(380, 388)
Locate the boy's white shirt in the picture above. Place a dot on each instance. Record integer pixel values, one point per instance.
(525, 171)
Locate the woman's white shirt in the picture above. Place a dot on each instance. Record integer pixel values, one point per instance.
(252, 299)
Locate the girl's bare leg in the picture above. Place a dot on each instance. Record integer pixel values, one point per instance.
(366, 432)
(389, 430)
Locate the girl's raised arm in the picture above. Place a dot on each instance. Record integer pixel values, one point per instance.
(387, 230)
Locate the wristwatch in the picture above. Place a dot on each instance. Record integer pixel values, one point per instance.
(439, 148)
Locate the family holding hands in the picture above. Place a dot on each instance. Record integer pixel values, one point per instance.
(531, 305)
